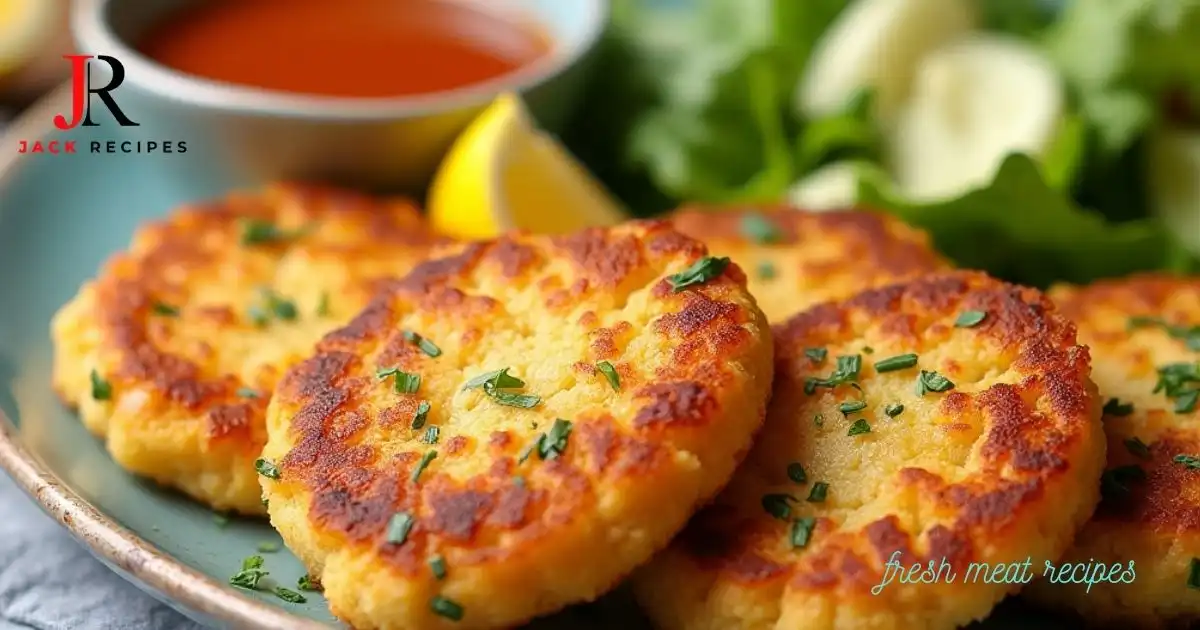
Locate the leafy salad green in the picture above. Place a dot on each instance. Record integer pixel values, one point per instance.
(699, 105)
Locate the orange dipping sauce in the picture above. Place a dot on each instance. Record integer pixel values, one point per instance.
(348, 48)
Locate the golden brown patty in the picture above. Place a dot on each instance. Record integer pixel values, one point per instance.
(527, 509)
(999, 467)
(795, 259)
(173, 351)
(1143, 331)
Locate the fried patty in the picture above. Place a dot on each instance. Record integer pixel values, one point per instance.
(984, 447)
(796, 259)
(1144, 335)
(173, 351)
(578, 397)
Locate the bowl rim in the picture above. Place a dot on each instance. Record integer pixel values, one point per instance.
(92, 33)
(113, 543)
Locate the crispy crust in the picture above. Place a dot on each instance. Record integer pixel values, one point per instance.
(1000, 468)
(812, 257)
(176, 414)
(1157, 525)
(695, 370)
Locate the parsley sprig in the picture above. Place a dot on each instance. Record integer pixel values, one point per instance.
(496, 385)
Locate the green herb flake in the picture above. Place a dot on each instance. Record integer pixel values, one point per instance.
(268, 547)
(1117, 409)
(819, 419)
(816, 355)
(928, 381)
(521, 401)
(323, 305)
(802, 529)
(778, 505)
(259, 231)
(250, 575)
(252, 562)
(553, 443)
(101, 389)
(499, 379)
(438, 565)
(859, 427)
(447, 608)
(431, 435)
(246, 392)
(818, 492)
(425, 345)
(759, 228)
(266, 468)
(610, 373)
(766, 270)
(422, 413)
(969, 319)
(1193, 580)
(868, 350)
(700, 272)
(893, 409)
(166, 310)
(846, 371)
(220, 520)
(528, 450)
(403, 382)
(1186, 402)
(1189, 334)
(257, 316)
(852, 406)
(898, 362)
(307, 583)
(428, 457)
(282, 308)
(1188, 461)
(289, 595)
(1117, 483)
(796, 473)
(399, 526)
(1137, 448)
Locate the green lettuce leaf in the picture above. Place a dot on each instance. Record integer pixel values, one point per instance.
(1021, 229)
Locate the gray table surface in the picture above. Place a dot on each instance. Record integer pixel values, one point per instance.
(48, 581)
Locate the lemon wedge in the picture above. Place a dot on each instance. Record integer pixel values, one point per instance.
(503, 173)
(24, 26)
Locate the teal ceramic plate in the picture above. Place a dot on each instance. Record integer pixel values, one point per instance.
(60, 217)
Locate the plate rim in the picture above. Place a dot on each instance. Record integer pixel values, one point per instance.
(118, 545)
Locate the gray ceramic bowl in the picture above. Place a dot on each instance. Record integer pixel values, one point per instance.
(386, 144)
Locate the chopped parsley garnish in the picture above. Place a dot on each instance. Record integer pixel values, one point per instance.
(1193, 580)
(817, 355)
(796, 473)
(1180, 382)
(220, 520)
(1188, 461)
(426, 346)
(257, 316)
(307, 583)
(101, 389)
(428, 457)
(166, 310)
(759, 229)
(282, 308)
(323, 305)
(819, 419)
(700, 272)
(802, 529)
(859, 427)
(898, 362)
(1186, 402)
(868, 350)
(268, 547)
(252, 562)
(431, 435)
(610, 373)
(928, 381)
(496, 382)
(852, 406)
(447, 608)
(1137, 448)
(399, 526)
(968, 319)
(766, 270)
(1118, 482)
(404, 383)
(846, 371)
(778, 505)
(1189, 334)
(250, 575)
(528, 450)
(266, 468)
(818, 493)
(422, 413)
(553, 443)
(258, 231)
(246, 392)
(1117, 409)
(893, 409)
(289, 595)
(438, 566)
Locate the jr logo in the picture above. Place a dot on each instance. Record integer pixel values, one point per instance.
(82, 91)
